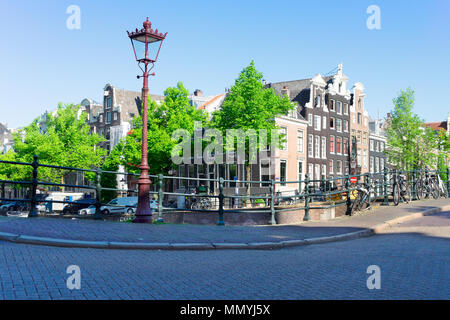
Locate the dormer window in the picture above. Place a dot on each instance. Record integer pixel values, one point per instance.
(317, 102)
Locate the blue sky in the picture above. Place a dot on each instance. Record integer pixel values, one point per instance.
(210, 42)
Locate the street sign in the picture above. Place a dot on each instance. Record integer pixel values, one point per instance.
(353, 179)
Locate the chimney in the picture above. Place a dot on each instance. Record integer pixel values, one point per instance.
(198, 93)
(286, 92)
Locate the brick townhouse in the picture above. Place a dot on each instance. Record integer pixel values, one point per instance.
(324, 102)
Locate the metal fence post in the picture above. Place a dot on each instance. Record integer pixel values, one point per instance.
(272, 205)
(306, 216)
(160, 198)
(221, 222)
(385, 188)
(414, 188)
(33, 210)
(448, 182)
(98, 202)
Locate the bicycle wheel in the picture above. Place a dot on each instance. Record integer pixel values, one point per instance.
(419, 190)
(434, 189)
(407, 195)
(396, 194)
(356, 203)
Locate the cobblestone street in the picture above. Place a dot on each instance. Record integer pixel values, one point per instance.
(413, 265)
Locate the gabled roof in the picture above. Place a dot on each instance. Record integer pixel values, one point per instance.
(203, 106)
(437, 125)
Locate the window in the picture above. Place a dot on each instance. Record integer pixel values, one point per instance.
(310, 119)
(283, 134)
(324, 172)
(101, 118)
(365, 138)
(377, 164)
(359, 118)
(381, 146)
(310, 145)
(346, 108)
(317, 172)
(331, 166)
(338, 125)
(339, 107)
(332, 123)
(108, 103)
(115, 116)
(311, 171)
(339, 167)
(381, 164)
(300, 175)
(265, 170)
(108, 117)
(358, 161)
(377, 146)
(283, 171)
(332, 106)
(317, 123)
(338, 145)
(354, 118)
(331, 144)
(365, 159)
(324, 122)
(371, 164)
(300, 141)
(317, 101)
(317, 146)
(324, 147)
(371, 145)
(359, 137)
(345, 126)
(346, 146)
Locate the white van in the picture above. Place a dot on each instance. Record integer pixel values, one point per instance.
(124, 205)
(61, 196)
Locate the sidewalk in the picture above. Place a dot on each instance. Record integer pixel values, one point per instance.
(116, 235)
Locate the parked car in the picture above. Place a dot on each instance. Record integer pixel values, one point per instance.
(87, 211)
(125, 205)
(13, 206)
(74, 207)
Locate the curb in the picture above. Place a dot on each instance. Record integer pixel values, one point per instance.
(377, 229)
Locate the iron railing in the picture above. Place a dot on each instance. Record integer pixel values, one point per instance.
(306, 194)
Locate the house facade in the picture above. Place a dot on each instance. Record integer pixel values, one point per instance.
(324, 102)
(377, 145)
(359, 131)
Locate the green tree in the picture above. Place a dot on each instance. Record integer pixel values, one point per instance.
(175, 112)
(410, 144)
(62, 139)
(250, 106)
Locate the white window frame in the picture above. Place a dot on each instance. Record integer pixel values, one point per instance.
(310, 146)
(317, 124)
(317, 147)
(284, 145)
(324, 148)
(310, 119)
(300, 141)
(324, 122)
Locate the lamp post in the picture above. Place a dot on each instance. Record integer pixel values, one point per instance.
(146, 46)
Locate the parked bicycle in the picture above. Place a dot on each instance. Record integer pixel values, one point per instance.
(401, 189)
(364, 198)
(443, 192)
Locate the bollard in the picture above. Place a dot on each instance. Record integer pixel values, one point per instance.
(221, 222)
(34, 183)
(385, 188)
(98, 202)
(272, 205)
(306, 217)
(160, 198)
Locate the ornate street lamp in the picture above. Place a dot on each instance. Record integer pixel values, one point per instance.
(146, 46)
